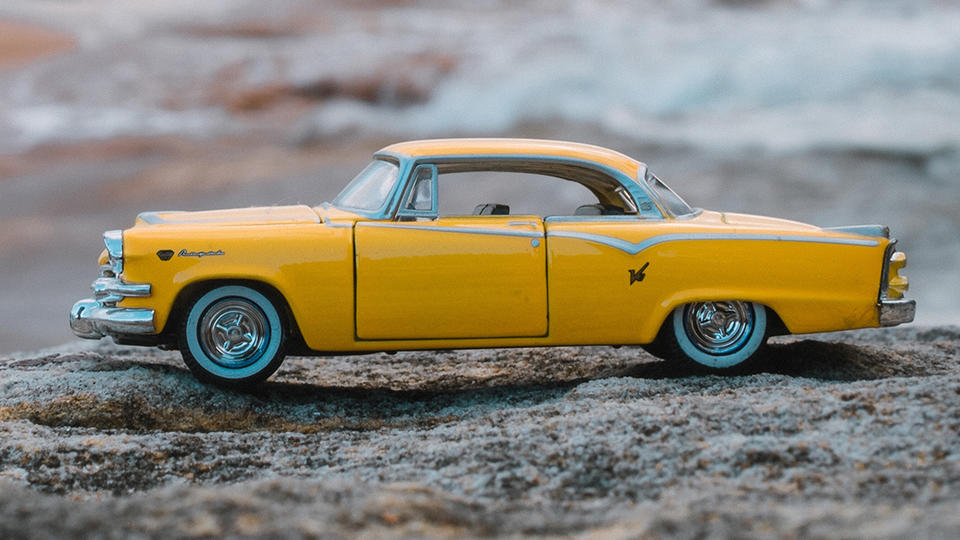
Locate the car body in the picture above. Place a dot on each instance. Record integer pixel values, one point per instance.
(383, 268)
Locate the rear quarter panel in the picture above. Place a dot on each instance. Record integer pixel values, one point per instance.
(812, 285)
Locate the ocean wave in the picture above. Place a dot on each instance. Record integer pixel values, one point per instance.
(55, 122)
(777, 75)
(773, 79)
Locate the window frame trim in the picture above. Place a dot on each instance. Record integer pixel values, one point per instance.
(408, 164)
(408, 190)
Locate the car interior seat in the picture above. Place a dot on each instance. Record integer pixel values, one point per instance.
(598, 209)
(494, 209)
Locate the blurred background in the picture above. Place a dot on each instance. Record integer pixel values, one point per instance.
(830, 112)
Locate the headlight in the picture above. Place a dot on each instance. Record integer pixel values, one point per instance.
(114, 242)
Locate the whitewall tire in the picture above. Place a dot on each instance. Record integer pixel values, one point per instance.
(717, 335)
(232, 335)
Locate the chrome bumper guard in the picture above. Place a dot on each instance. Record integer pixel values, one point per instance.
(894, 312)
(94, 318)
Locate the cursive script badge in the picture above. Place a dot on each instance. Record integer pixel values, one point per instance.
(200, 254)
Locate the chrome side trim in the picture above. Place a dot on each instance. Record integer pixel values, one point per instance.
(863, 230)
(91, 319)
(453, 229)
(634, 248)
(894, 312)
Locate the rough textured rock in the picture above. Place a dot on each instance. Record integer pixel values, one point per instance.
(852, 434)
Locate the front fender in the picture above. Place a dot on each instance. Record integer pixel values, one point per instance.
(310, 265)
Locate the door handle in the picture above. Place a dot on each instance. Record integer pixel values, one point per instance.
(522, 223)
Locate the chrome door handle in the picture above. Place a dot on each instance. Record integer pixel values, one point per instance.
(522, 223)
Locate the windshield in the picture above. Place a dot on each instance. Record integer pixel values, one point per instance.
(369, 189)
(670, 200)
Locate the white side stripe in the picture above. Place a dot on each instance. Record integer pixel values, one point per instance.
(634, 248)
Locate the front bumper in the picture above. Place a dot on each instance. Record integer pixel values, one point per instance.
(94, 318)
(894, 312)
(91, 319)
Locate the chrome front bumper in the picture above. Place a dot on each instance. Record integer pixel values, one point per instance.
(91, 319)
(894, 312)
(94, 318)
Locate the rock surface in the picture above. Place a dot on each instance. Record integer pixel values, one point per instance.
(851, 434)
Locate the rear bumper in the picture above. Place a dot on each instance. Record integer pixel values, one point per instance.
(894, 312)
(91, 319)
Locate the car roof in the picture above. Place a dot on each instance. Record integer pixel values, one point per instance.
(517, 147)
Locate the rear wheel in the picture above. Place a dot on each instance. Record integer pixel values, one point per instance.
(716, 335)
(232, 336)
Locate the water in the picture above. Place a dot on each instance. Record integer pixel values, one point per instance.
(778, 76)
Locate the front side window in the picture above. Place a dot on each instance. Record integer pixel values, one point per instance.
(369, 190)
(492, 192)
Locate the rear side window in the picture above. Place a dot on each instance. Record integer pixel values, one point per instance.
(670, 200)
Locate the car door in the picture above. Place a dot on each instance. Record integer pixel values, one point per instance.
(449, 278)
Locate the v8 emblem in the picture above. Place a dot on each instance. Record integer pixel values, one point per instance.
(638, 275)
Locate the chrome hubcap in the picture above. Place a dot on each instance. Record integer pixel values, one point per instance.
(234, 333)
(719, 327)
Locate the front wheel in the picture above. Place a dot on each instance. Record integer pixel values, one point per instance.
(716, 335)
(232, 336)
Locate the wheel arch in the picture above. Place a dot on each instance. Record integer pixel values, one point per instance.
(775, 324)
(191, 292)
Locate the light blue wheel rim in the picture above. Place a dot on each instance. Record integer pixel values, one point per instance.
(258, 357)
(718, 328)
(233, 332)
(728, 350)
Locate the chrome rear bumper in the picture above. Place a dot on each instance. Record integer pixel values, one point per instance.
(94, 318)
(894, 312)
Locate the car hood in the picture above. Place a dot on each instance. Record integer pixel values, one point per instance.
(263, 215)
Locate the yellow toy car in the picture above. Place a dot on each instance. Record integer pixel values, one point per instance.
(388, 266)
